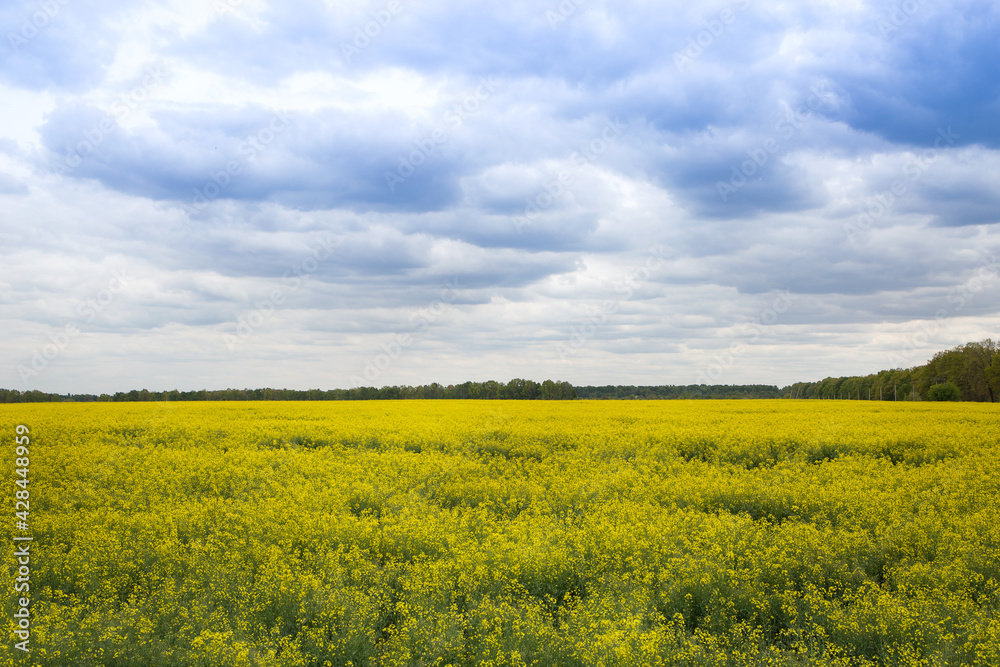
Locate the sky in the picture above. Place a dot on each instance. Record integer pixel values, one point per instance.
(325, 194)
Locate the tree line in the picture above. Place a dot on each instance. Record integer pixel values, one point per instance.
(517, 389)
(675, 392)
(969, 372)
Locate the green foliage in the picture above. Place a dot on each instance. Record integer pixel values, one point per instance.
(692, 391)
(944, 392)
(516, 389)
(973, 368)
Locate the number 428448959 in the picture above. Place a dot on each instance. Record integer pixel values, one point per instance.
(21, 473)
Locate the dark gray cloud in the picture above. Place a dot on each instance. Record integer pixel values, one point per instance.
(936, 70)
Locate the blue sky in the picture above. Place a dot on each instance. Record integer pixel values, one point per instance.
(325, 194)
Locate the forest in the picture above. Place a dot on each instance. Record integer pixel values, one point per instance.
(969, 372)
(516, 389)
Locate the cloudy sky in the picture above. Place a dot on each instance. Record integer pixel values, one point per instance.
(247, 193)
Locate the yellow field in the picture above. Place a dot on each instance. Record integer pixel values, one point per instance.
(509, 533)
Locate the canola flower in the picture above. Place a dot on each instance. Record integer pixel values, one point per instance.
(511, 533)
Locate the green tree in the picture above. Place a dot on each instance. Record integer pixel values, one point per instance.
(944, 392)
(549, 391)
(993, 377)
(977, 361)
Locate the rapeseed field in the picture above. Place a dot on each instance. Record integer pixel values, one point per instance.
(509, 533)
